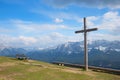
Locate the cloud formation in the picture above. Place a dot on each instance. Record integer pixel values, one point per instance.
(43, 41)
(87, 3)
(28, 26)
(59, 16)
(58, 20)
(33, 34)
(110, 22)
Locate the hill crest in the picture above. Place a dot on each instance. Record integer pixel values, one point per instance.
(12, 69)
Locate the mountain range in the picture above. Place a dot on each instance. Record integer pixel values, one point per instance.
(101, 53)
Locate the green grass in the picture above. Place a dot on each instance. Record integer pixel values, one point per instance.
(12, 69)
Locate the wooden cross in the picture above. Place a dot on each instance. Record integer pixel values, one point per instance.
(85, 42)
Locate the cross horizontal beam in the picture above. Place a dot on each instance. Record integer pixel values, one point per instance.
(87, 30)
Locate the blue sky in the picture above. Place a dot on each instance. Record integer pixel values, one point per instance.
(46, 23)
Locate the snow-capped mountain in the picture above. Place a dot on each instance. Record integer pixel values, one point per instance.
(101, 53)
(69, 48)
(77, 47)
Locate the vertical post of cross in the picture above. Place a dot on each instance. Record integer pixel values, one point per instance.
(85, 46)
(85, 30)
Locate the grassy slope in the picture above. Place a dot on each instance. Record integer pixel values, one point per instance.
(12, 69)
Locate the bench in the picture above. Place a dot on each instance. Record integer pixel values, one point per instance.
(21, 57)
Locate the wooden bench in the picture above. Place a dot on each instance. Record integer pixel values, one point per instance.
(21, 57)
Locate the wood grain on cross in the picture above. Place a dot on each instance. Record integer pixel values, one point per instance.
(85, 42)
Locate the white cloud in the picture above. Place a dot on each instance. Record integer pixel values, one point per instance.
(110, 22)
(55, 38)
(90, 21)
(43, 35)
(43, 41)
(31, 26)
(27, 40)
(60, 16)
(99, 36)
(107, 23)
(19, 41)
(108, 28)
(87, 3)
(110, 15)
(58, 20)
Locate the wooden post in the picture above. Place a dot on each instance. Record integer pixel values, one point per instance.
(85, 47)
(85, 42)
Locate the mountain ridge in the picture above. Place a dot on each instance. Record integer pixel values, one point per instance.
(101, 53)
